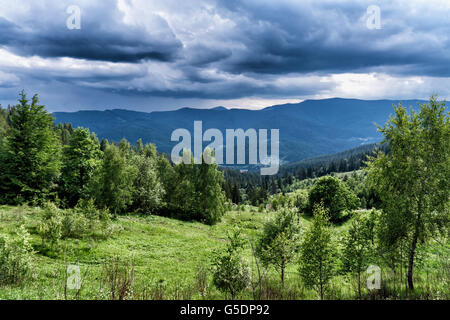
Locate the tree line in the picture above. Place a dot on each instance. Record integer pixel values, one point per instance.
(41, 161)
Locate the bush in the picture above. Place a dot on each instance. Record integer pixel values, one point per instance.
(230, 273)
(15, 257)
(74, 224)
(96, 220)
(335, 197)
(85, 220)
(50, 226)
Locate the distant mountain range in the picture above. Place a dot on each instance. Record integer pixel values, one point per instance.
(307, 129)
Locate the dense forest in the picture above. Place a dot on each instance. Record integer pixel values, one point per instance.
(323, 219)
(43, 162)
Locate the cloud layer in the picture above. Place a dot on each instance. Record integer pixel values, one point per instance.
(148, 54)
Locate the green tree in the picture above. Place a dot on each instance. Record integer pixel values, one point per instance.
(184, 197)
(166, 175)
(81, 158)
(230, 273)
(413, 180)
(16, 256)
(357, 247)
(51, 224)
(209, 188)
(30, 161)
(113, 186)
(3, 122)
(147, 187)
(334, 195)
(317, 253)
(196, 190)
(279, 241)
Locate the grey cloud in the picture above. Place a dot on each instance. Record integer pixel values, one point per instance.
(103, 35)
(325, 37)
(240, 50)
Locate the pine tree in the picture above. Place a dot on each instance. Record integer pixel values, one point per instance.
(30, 160)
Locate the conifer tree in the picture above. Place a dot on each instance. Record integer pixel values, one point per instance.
(30, 161)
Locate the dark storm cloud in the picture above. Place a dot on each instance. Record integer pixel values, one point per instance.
(103, 35)
(219, 49)
(327, 37)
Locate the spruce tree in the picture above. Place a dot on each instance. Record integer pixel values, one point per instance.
(30, 161)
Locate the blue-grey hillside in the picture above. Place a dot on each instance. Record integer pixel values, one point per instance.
(307, 129)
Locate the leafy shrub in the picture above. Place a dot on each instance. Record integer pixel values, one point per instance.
(230, 273)
(74, 224)
(92, 215)
(335, 196)
(15, 257)
(98, 221)
(50, 226)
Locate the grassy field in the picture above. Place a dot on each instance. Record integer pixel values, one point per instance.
(169, 259)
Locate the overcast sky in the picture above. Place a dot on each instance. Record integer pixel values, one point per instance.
(165, 54)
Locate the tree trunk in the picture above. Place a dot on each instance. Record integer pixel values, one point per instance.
(359, 285)
(282, 274)
(411, 262)
(321, 290)
(413, 251)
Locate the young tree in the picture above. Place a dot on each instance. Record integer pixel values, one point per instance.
(81, 158)
(317, 253)
(114, 181)
(184, 197)
(30, 162)
(209, 186)
(357, 247)
(16, 257)
(413, 180)
(147, 187)
(230, 273)
(334, 195)
(279, 242)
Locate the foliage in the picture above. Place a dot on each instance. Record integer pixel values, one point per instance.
(413, 180)
(317, 253)
(51, 223)
(118, 277)
(15, 257)
(358, 245)
(334, 195)
(278, 243)
(81, 158)
(230, 273)
(113, 184)
(147, 187)
(209, 186)
(193, 182)
(30, 155)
